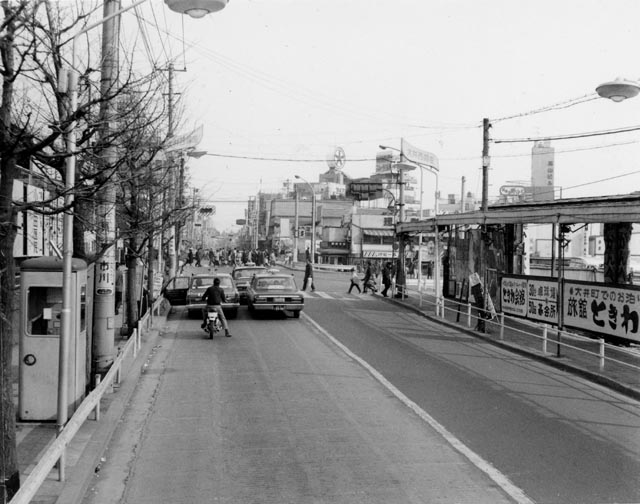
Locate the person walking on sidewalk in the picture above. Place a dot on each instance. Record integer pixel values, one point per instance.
(308, 276)
(214, 296)
(355, 281)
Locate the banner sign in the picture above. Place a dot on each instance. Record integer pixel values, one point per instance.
(534, 298)
(602, 308)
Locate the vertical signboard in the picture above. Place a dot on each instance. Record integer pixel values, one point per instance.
(602, 308)
(514, 296)
(542, 302)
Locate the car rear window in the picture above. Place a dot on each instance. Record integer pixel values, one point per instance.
(202, 282)
(275, 283)
(247, 273)
(225, 281)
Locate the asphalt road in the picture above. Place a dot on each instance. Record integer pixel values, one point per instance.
(279, 413)
(558, 437)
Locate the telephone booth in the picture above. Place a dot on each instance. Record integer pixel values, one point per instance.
(40, 326)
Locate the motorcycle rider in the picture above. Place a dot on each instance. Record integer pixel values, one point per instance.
(214, 296)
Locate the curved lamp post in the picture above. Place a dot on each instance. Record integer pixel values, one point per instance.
(313, 219)
(618, 90)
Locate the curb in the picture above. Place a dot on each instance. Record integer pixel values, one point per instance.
(562, 365)
(80, 478)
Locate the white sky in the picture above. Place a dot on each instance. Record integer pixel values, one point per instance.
(291, 79)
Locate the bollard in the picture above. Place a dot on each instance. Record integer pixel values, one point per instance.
(544, 339)
(468, 314)
(97, 408)
(501, 326)
(601, 343)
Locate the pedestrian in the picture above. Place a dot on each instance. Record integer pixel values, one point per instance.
(198, 257)
(367, 278)
(386, 278)
(214, 296)
(190, 257)
(308, 275)
(355, 281)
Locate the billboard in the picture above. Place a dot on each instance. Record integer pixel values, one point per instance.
(602, 308)
(365, 189)
(534, 298)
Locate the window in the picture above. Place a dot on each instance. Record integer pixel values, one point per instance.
(388, 221)
(44, 309)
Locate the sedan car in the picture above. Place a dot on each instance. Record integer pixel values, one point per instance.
(242, 277)
(176, 293)
(274, 292)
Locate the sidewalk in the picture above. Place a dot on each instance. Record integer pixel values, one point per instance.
(615, 375)
(83, 454)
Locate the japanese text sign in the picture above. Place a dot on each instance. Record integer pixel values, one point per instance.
(602, 308)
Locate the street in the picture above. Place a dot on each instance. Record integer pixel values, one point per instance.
(280, 413)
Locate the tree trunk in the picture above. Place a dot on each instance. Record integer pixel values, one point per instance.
(9, 470)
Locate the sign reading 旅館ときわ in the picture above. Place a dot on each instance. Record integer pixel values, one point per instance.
(602, 308)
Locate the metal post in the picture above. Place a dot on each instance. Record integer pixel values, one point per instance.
(601, 352)
(313, 225)
(296, 231)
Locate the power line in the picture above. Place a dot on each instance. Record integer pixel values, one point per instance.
(569, 136)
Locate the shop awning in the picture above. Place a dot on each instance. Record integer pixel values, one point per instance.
(378, 232)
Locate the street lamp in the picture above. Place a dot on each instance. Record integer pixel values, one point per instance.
(431, 167)
(196, 8)
(313, 219)
(618, 90)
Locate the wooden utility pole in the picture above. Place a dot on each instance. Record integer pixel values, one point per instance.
(485, 163)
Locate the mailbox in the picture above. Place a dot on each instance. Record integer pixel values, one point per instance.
(40, 326)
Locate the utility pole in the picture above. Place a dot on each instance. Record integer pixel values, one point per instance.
(104, 293)
(486, 161)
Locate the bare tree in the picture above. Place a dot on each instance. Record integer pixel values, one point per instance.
(33, 42)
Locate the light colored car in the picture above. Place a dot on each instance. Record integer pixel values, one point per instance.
(274, 292)
(242, 277)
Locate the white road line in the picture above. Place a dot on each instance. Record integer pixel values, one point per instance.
(500, 479)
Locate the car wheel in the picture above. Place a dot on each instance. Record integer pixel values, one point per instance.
(296, 314)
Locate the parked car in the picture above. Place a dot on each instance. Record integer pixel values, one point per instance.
(274, 292)
(177, 295)
(176, 290)
(242, 277)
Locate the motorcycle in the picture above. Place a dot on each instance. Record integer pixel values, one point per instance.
(214, 325)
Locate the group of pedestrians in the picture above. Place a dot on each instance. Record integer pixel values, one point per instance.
(369, 280)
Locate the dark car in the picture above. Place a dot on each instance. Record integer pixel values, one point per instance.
(177, 295)
(274, 292)
(242, 277)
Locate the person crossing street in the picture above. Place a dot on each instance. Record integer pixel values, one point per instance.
(308, 276)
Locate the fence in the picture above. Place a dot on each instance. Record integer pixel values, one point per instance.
(613, 362)
(55, 453)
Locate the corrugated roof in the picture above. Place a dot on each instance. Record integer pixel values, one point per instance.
(620, 208)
